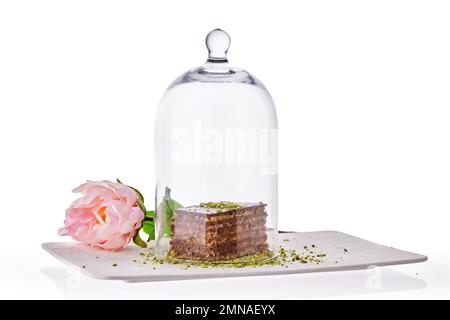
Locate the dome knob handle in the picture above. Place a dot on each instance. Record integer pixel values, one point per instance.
(217, 42)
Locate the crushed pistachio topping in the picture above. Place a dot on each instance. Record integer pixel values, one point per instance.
(222, 205)
(285, 258)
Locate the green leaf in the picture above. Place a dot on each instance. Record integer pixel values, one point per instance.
(149, 228)
(148, 225)
(138, 241)
(167, 206)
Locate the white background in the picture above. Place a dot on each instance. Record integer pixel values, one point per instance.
(362, 90)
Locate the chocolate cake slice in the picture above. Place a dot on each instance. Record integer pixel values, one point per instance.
(216, 231)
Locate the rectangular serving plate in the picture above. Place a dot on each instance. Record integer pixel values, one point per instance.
(343, 252)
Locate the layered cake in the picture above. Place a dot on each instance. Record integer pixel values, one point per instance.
(216, 231)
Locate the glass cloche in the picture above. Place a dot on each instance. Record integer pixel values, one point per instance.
(216, 163)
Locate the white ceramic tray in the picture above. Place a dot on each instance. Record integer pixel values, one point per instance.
(343, 252)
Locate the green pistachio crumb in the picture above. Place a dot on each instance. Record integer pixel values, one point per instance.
(220, 205)
(285, 258)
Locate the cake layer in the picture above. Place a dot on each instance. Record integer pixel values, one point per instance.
(207, 237)
(232, 228)
(205, 254)
(185, 218)
(260, 237)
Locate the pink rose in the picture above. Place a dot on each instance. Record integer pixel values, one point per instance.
(107, 216)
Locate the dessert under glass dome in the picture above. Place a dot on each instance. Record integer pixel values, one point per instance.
(216, 163)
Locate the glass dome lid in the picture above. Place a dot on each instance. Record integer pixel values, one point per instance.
(217, 68)
(216, 163)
